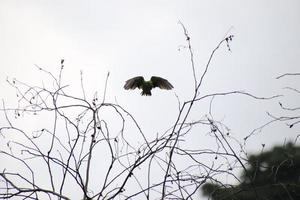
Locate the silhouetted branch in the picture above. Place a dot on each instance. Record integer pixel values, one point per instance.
(287, 74)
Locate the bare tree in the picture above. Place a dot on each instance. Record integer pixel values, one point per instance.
(78, 138)
(294, 118)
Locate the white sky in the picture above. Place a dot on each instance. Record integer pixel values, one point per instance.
(134, 37)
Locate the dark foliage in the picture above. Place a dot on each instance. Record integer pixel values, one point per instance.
(272, 175)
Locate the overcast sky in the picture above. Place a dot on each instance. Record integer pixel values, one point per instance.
(133, 37)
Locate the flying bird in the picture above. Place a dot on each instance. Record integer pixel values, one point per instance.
(147, 86)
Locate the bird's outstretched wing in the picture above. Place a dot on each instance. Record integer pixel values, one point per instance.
(161, 83)
(133, 83)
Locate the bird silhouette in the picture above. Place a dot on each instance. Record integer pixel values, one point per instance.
(147, 86)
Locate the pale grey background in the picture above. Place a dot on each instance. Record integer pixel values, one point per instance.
(132, 37)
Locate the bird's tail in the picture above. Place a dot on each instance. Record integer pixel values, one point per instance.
(146, 93)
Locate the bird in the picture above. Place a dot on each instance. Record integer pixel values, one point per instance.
(147, 86)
